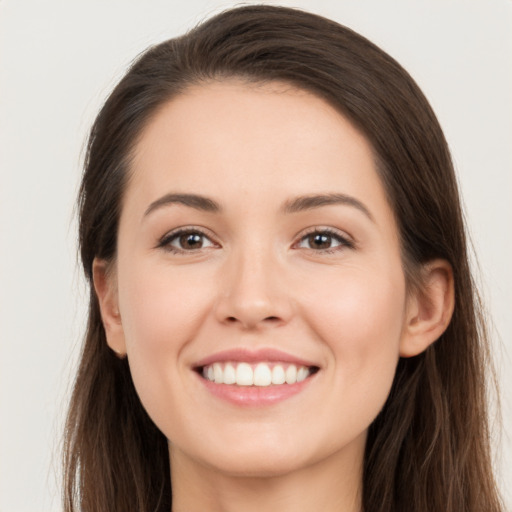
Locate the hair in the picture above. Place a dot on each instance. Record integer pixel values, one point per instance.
(428, 449)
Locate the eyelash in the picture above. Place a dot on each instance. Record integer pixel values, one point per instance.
(344, 242)
(166, 241)
(168, 238)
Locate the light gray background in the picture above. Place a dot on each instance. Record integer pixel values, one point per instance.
(59, 60)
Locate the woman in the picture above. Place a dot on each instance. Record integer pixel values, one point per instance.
(281, 314)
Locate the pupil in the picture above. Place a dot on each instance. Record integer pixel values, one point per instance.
(320, 241)
(191, 241)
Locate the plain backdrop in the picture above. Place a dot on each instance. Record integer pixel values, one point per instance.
(59, 60)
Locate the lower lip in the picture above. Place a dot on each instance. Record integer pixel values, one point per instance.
(255, 396)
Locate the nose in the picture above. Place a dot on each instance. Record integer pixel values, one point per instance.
(253, 294)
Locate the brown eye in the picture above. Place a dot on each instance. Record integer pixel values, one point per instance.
(323, 241)
(190, 241)
(319, 241)
(186, 241)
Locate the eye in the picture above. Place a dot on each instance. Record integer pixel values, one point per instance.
(186, 240)
(324, 240)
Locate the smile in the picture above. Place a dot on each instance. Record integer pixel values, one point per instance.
(255, 378)
(260, 374)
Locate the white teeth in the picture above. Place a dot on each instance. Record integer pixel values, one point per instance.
(302, 373)
(291, 374)
(261, 375)
(244, 375)
(278, 375)
(229, 374)
(218, 374)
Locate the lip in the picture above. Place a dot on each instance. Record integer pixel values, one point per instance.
(240, 355)
(254, 396)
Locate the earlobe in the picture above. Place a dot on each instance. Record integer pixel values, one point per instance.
(105, 286)
(429, 310)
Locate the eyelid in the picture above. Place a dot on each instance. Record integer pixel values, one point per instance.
(164, 241)
(347, 242)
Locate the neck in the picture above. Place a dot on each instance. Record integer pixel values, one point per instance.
(332, 485)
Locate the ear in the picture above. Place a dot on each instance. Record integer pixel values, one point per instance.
(429, 308)
(105, 285)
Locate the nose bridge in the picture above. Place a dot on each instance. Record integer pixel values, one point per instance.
(252, 293)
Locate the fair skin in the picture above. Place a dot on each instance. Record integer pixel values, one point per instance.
(251, 267)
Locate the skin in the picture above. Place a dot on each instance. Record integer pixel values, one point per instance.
(259, 282)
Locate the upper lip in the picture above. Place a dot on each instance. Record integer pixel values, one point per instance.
(253, 356)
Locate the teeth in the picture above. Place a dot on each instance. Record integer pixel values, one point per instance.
(218, 375)
(261, 375)
(278, 375)
(244, 375)
(229, 374)
(291, 374)
(302, 373)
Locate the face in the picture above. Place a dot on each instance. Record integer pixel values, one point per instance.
(259, 283)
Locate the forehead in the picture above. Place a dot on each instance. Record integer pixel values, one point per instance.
(233, 139)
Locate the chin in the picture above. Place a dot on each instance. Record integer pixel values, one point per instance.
(262, 456)
(260, 463)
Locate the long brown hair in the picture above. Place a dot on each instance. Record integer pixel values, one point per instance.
(428, 449)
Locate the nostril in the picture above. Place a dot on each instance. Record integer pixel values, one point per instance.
(251, 322)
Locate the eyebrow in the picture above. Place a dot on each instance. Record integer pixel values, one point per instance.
(191, 200)
(298, 204)
(311, 202)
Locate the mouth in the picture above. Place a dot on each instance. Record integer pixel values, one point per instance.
(256, 374)
(255, 378)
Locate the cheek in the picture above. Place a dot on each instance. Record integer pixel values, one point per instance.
(160, 307)
(358, 308)
(361, 320)
(161, 312)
